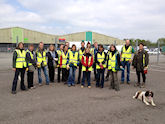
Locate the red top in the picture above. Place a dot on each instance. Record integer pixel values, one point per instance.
(87, 59)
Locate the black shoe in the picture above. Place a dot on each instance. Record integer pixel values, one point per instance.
(13, 92)
(78, 82)
(128, 83)
(24, 89)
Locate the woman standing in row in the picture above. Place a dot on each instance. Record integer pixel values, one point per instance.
(52, 62)
(114, 65)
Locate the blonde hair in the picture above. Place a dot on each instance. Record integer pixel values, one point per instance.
(51, 45)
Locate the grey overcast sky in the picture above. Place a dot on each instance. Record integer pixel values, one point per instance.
(144, 19)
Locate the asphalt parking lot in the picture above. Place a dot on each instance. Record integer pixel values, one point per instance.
(59, 104)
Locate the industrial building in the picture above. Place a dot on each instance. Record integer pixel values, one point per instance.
(9, 37)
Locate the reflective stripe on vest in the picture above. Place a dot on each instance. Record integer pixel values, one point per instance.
(89, 61)
(20, 61)
(73, 59)
(112, 62)
(100, 59)
(81, 54)
(59, 52)
(64, 59)
(41, 58)
(31, 55)
(126, 54)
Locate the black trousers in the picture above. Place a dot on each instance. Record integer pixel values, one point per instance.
(59, 71)
(65, 74)
(143, 76)
(94, 68)
(17, 72)
(51, 73)
(30, 76)
(79, 74)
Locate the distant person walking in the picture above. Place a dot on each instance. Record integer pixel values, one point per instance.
(42, 63)
(140, 62)
(19, 66)
(126, 59)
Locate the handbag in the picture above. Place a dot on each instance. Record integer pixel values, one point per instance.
(31, 68)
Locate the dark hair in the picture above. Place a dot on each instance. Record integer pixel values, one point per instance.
(112, 45)
(141, 44)
(73, 45)
(19, 44)
(64, 46)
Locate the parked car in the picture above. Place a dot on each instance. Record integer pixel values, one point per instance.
(154, 51)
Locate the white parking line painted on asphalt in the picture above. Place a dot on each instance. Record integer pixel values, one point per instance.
(159, 66)
(151, 69)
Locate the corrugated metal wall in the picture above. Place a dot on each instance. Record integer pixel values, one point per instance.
(9, 35)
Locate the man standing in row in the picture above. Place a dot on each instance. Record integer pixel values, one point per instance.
(42, 63)
(126, 59)
(80, 54)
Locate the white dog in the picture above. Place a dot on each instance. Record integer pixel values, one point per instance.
(145, 96)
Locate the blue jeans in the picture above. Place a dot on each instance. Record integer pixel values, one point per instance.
(86, 74)
(125, 63)
(45, 73)
(100, 73)
(71, 78)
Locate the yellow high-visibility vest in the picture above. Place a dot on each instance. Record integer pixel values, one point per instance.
(112, 62)
(20, 61)
(73, 59)
(59, 52)
(80, 54)
(126, 54)
(41, 58)
(31, 55)
(64, 59)
(89, 61)
(100, 59)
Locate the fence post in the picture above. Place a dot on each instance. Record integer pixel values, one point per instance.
(158, 52)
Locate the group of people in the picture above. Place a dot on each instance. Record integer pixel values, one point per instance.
(88, 59)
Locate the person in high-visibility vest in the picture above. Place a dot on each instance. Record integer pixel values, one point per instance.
(19, 66)
(114, 65)
(94, 51)
(32, 64)
(63, 64)
(59, 52)
(140, 63)
(126, 59)
(87, 62)
(67, 44)
(81, 51)
(42, 63)
(52, 62)
(108, 72)
(100, 60)
(72, 65)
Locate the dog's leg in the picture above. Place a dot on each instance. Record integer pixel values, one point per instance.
(145, 102)
(152, 103)
(135, 95)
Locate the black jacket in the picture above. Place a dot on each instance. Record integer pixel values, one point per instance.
(51, 59)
